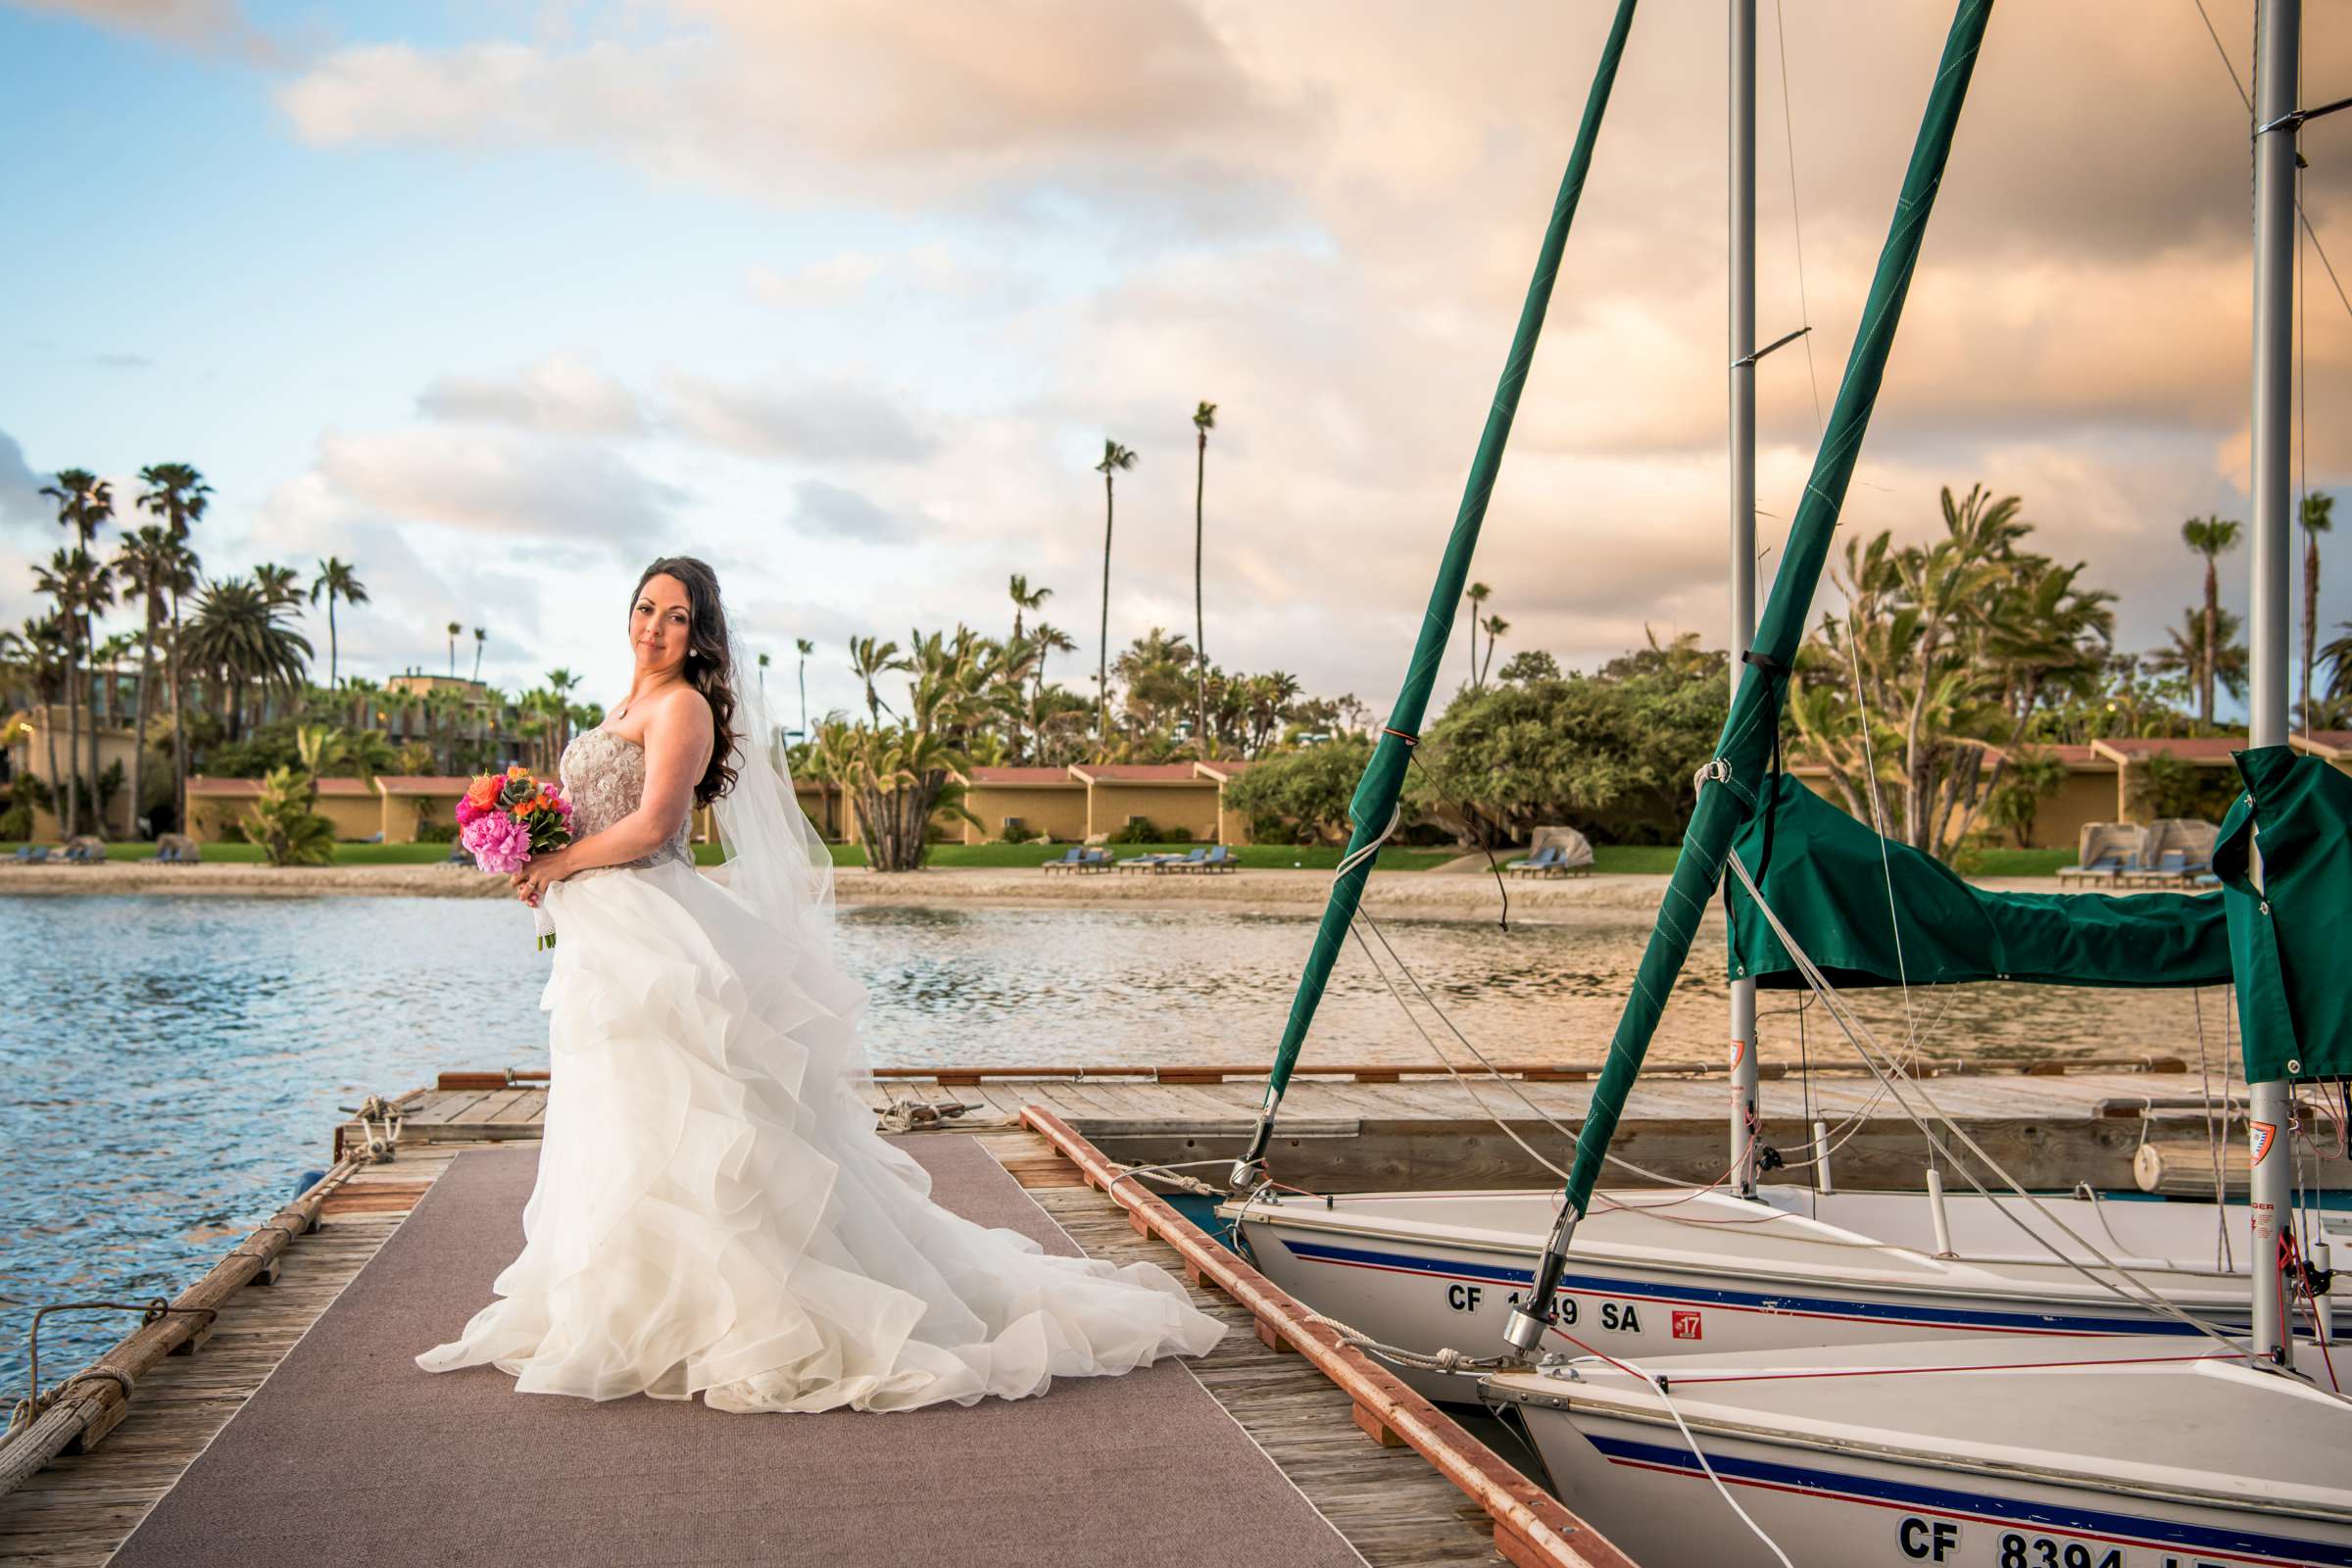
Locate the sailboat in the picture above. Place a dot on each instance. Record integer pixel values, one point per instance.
(1742, 1266)
(2101, 1455)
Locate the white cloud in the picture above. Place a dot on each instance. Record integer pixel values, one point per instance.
(828, 422)
(831, 510)
(562, 394)
(555, 491)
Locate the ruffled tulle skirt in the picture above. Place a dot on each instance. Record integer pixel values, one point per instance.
(715, 1215)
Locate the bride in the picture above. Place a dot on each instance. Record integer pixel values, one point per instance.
(714, 1213)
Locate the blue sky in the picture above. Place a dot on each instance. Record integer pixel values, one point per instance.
(498, 301)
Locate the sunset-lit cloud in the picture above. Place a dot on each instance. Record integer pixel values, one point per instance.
(847, 297)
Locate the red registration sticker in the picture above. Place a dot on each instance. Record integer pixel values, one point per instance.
(1685, 1326)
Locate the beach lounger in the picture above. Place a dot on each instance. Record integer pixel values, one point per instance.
(1189, 862)
(1543, 863)
(1072, 862)
(33, 854)
(2106, 868)
(1221, 859)
(1145, 863)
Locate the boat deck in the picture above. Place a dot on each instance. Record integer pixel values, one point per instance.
(1367, 1455)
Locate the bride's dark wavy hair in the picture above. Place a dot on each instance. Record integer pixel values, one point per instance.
(709, 668)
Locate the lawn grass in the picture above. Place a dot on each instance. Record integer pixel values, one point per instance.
(1253, 857)
(251, 853)
(2012, 862)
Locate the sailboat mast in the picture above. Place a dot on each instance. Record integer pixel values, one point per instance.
(2277, 81)
(1744, 515)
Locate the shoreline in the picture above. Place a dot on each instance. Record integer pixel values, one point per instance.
(1427, 895)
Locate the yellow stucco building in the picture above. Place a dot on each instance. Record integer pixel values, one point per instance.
(1095, 800)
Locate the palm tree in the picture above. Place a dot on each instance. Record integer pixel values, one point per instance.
(279, 585)
(870, 658)
(147, 560)
(1115, 458)
(454, 629)
(2212, 538)
(804, 647)
(176, 492)
(2336, 655)
(84, 503)
(239, 640)
(1048, 639)
(80, 585)
(336, 580)
(563, 682)
(1496, 627)
(1204, 420)
(1024, 601)
(2319, 516)
(43, 648)
(1478, 602)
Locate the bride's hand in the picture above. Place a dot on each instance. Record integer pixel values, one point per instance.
(541, 873)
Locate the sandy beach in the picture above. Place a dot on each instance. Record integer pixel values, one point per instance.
(1427, 895)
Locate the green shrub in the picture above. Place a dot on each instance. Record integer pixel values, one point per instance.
(283, 824)
(1176, 835)
(1300, 797)
(1139, 831)
(437, 832)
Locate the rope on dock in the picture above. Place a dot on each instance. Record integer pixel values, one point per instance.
(909, 1115)
(26, 1411)
(379, 1124)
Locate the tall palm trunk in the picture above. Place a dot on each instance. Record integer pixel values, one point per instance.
(90, 645)
(180, 730)
(1199, 613)
(334, 649)
(2311, 615)
(69, 821)
(2207, 655)
(1102, 643)
(138, 723)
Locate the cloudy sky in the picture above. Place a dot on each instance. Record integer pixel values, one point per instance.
(499, 299)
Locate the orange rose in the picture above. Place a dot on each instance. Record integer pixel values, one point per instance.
(482, 796)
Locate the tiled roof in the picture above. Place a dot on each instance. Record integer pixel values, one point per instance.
(1022, 775)
(247, 788)
(422, 783)
(1226, 767)
(1136, 772)
(2208, 748)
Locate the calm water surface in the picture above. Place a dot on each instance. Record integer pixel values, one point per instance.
(173, 1065)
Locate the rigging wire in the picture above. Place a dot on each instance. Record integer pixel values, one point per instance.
(1858, 1033)
(1796, 224)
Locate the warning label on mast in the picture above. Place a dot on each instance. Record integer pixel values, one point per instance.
(2259, 1135)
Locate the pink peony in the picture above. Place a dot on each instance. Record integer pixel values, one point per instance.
(467, 811)
(498, 843)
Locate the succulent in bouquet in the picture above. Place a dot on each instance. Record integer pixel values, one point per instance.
(504, 820)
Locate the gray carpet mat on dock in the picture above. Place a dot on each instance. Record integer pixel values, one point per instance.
(349, 1453)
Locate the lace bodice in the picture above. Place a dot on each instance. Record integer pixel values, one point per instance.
(604, 778)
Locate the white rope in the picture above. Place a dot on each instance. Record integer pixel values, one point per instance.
(1859, 1036)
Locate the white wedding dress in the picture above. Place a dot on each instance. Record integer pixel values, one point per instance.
(714, 1212)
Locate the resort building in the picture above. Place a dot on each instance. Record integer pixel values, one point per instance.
(36, 732)
(218, 805)
(2106, 781)
(1090, 801)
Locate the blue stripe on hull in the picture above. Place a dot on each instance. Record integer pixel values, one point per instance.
(1924, 1316)
(2132, 1529)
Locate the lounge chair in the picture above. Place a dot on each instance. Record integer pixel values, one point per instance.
(1542, 862)
(165, 854)
(1220, 858)
(2105, 869)
(1071, 862)
(32, 854)
(2171, 869)
(1190, 863)
(1097, 860)
(1145, 863)
(83, 854)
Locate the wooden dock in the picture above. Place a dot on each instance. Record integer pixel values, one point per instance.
(1388, 1128)
(1398, 1479)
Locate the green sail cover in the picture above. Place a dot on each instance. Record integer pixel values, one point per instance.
(2288, 934)
(1821, 874)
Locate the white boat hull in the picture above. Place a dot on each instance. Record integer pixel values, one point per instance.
(1432, 1270)
(1844, 1497)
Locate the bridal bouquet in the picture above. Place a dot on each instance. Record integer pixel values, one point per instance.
(506, 818)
